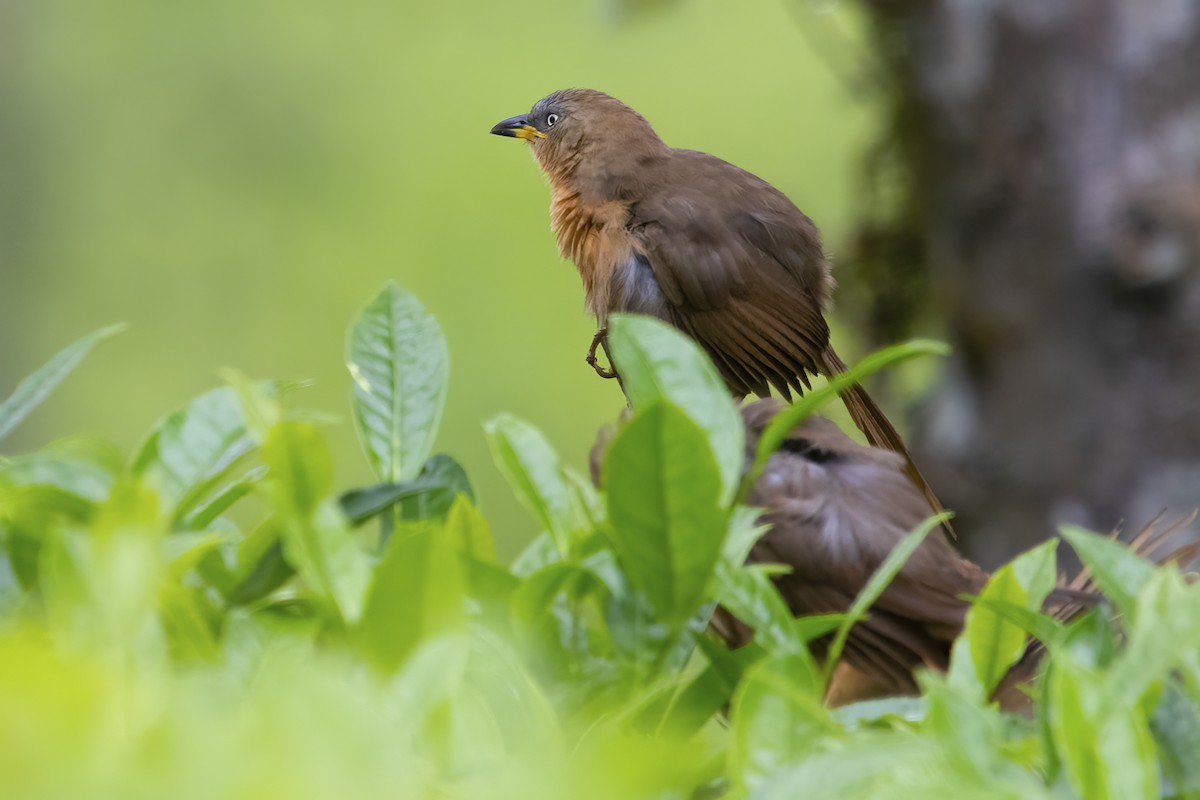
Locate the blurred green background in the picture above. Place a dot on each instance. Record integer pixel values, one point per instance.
(236, 178)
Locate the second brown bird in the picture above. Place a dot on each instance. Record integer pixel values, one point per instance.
(695, 241)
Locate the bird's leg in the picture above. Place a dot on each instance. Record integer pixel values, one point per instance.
(600, 340)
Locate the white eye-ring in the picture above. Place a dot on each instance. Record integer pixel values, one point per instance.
(551, 119)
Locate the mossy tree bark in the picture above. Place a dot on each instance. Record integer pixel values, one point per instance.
(1051, 153)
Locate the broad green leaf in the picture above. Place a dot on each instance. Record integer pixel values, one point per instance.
(873, 765)
(657, 362)
(432, 674)
(400, 367)
(1176, 728)
(532, 469)
(885, 711)
(695, 704)
(430, 494)
(260, 402)
(259, 565)
(1163, 634)
(585, 500)
(745, 528)
(121, 562)
(959, 718)
(469, 532)
(1118, 571)
(185, 552)
(448, 474)
(558, 611)
(540, 552)
(1036, 570)
(61, 484)
(191, 622)
(1043, 627)
(416, 594)
(195, 452)
(664, 511)
(1105, 746)
(31, 391)
(48, 468)
(644, 641)
(989, 643)
(207, 511)
(317, 539)
(779, 718)
(878, 582)
(783, 424)
(264, 575)
(748, 593)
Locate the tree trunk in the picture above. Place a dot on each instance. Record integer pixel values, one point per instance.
(1051, 150)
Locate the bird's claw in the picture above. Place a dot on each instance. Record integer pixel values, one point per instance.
(600, 340)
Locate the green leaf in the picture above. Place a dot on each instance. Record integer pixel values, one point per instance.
(884, 711)
(1036, 570)
(657, 362)
(879, 581)
(874, 766)
(31, 391)
(992, 641)
(75, 476)
(783, 424)
(779, 718)
(558, 612)
(1163, 634)
(745, 528)
(709, 692)
(206, 512)
(190, 621)
(529, 463)
(664, 511)
(469, 532)
(400, 366)
(195, 452)
(416, 594)
(430, 494)
(446, 473)
(1118, 571)
(259, 401)
(748, 593)
(1176, 729)
(317, 540)
(1044, 628)
(990, 644)
(261, 565)
(1105, 746)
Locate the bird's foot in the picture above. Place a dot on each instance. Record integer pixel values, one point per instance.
(600, 340)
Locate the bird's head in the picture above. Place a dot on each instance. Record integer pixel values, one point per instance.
(575, 130)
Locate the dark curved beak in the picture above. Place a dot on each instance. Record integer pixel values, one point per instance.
(517, 127)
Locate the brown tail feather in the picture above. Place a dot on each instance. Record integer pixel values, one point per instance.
(879, 431)
(1080, 593)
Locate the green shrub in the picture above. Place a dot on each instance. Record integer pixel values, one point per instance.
(205, 619)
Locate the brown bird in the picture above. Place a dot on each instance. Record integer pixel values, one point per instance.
(695, 241)
(835, 510)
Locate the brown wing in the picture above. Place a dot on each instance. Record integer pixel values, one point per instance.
(741, 270)
(836, 510)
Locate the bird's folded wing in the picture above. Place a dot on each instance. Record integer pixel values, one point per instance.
(765, 330)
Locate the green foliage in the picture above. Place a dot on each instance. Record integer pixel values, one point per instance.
(398, 360)
(34, 389)
(207, 619)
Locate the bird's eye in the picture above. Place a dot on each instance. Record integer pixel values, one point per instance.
(551, 119)
(808, 451)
